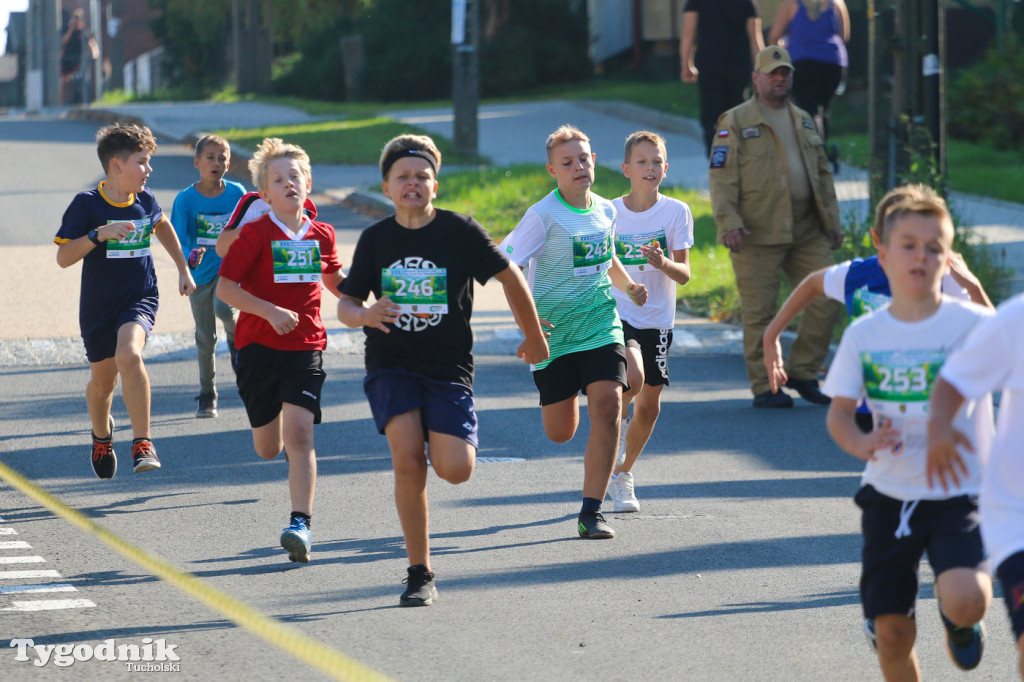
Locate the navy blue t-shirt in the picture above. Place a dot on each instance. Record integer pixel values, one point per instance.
(110, 285)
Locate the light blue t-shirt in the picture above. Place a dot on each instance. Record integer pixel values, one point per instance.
(198, 220)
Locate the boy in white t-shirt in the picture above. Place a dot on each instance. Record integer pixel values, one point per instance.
(893, 356)
(653, 235)
(989, 360)
(565, 243)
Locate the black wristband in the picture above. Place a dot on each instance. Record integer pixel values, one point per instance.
(94, 238)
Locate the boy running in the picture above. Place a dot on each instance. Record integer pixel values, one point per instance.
(566, 243)
(893, 356)
(420, 264)
(272, 274)
(653, 235)
(199, 214)
(109, 230)
(990, 360)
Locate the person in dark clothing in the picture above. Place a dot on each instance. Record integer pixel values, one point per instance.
(720, 40)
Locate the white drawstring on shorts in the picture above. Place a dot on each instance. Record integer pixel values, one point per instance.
(903, 530)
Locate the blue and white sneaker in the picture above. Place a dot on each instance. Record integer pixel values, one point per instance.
(297, 539)
(869, 632)
(964, 644)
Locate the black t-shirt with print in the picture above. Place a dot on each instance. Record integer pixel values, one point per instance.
(438, 345)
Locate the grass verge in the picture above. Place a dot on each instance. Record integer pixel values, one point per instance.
(498, 198)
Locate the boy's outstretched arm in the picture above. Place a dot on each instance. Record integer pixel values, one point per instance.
(623, 282)
(842, 426)
(169, 238)
(534, 347)
(283, 321)
(811, 288)
(968, 280)
(943, 440)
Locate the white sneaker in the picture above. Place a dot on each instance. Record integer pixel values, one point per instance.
(621, 491)
(623, 427)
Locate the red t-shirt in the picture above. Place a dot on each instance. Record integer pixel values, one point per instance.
(250, 262)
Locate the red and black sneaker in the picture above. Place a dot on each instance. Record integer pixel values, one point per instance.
(144, 455)
(104, 461)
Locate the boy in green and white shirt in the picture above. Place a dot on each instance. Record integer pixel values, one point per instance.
(565, 243)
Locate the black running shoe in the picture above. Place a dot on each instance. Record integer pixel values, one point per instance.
(207, 405)
(593, 527)
(420, 589)
(104, 461)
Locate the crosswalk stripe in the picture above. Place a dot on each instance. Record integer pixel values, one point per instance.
(14, 544)
(49, 587)
(49, 605)
(25, 575)
(22, 560)
(7, 531)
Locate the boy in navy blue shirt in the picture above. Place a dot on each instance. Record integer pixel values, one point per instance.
(109, 229)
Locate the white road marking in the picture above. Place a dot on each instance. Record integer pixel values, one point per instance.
(26, 575)
(49, 605)
(22, 560)
(48, 587)
(7, 531)
(14, 544)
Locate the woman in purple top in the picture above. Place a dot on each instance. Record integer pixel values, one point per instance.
(815, 34)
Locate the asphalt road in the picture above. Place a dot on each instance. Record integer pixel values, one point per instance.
(741, 565)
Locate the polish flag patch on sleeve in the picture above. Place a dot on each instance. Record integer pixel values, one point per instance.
(723, 133)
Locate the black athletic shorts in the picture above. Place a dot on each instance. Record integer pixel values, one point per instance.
(268, 378)
(947, 529)
(653, 345)
(569, 374)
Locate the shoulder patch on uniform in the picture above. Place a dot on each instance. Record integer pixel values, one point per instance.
(723, 133)
(718, 156)
(750, 132)
(808, 124)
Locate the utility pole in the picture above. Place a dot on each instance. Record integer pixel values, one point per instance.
(907, 93)
(42, 81)
(466, 75)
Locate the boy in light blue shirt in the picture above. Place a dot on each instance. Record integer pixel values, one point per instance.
(199, 214)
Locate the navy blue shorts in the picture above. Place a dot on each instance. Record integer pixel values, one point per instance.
(445, 406)
(101, 340)
(268, 378)
(569, 374)
(653, 345)
(948, 529)
(1011, 576)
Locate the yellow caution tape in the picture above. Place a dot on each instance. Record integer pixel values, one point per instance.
(288, 639)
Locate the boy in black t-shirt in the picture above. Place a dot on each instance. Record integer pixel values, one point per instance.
(109, 230)
(420, 265)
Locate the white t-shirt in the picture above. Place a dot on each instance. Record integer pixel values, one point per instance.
(991, 359)
(835, 287)
(668, 221)
(895, 364)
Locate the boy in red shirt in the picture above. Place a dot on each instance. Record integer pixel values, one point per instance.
(272, 275)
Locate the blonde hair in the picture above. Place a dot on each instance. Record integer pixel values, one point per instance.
(409, 143)
(916, 199)
(644, 136)
(272, 149)
(205, 140)
(564, 133)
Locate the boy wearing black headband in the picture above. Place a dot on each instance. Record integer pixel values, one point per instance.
(420, 265)
(566, 240)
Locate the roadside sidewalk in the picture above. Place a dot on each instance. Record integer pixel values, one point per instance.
(509, 134)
